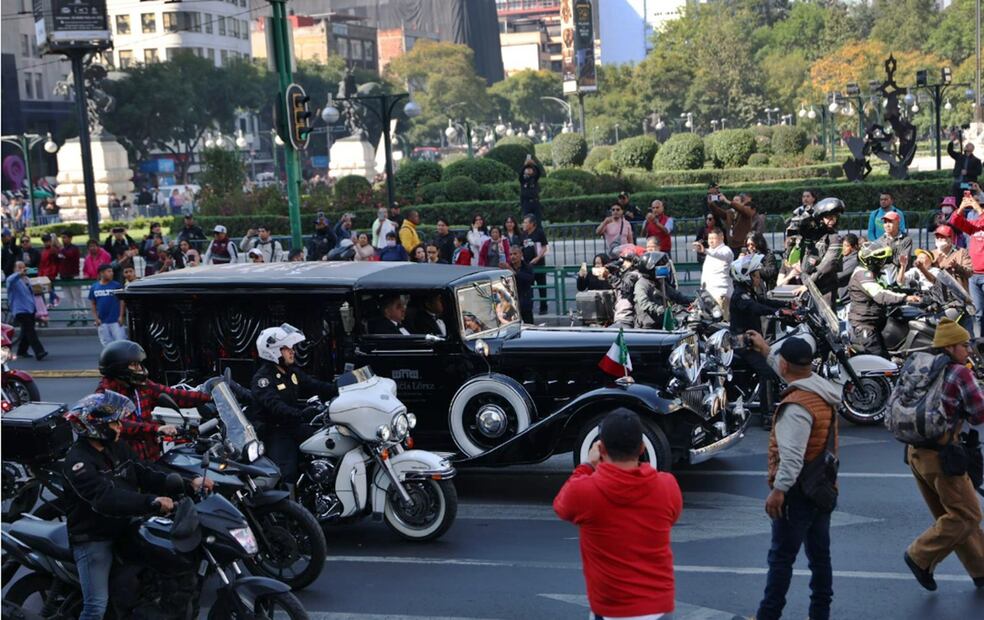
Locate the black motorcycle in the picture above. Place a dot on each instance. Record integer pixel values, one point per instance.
(292, 546)
(160, 566)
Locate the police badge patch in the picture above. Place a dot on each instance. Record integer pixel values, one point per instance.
(263, 382)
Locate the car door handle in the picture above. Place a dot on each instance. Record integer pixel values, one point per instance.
(359, 351)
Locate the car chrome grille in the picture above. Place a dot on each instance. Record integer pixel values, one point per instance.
(693, 398)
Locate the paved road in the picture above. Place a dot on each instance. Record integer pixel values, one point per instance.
(508, 557)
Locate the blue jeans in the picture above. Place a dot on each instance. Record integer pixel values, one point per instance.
(977, 297)
(94, 561)
(802, 525)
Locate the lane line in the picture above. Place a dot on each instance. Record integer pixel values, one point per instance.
(329, 615)
(758, 473)
(683, 611)
(682, 568)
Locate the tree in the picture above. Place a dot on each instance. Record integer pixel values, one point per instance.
(905, 24)
(169, 106)
(444, 82)
(953, 38)
(863, 61)
(522, 93)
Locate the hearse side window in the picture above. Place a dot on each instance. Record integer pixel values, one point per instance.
(412, 315)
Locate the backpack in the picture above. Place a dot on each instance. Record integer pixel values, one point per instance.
(915, 408)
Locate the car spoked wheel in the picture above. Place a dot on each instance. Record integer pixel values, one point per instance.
(297, 549)
(431, 511)
(488, 411)
(656, 449)
(866, 407)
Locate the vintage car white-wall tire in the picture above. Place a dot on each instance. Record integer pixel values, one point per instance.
(653, 439)
(506, 389)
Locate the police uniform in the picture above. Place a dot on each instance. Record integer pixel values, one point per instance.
(651, 303)
(867, 315)
(275, 394)
(822, 263)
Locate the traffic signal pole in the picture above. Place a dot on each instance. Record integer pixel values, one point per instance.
(282, 52)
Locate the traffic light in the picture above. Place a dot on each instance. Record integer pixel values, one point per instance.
(299, 118)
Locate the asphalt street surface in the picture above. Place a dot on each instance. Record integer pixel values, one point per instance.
(508, 556)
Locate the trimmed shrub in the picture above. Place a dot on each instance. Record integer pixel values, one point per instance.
(412, 175)
(462, 189)
(597, 155)
(450, 158)
(682, 151)
(788, 140)
(814, 153)
(580, 177)
(635, 152)
(731, 148)
(758, 160)
(502, 191)
(520, 140)
(663, 178)
(765, 131)
(481, 170)
(542, 152)
(512, 155)
(569, 149)
(352, 190)
(552, 188)
(608, 167)
(433, 192)
(763, 144)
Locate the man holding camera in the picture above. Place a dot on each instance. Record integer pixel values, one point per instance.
(966, 166)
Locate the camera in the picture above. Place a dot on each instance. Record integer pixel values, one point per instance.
(967, 187)
(802, 224)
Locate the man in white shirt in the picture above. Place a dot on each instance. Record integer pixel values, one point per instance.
(380, 226)
(715, 277)
(394, 313)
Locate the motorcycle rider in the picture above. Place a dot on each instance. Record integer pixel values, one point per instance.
(869, 297)
(747, 310)
(122, 370)
(106, 484)
(822, 258)
(654, 292)
(276, 388)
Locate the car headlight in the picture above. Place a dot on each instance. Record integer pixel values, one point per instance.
(383, 433)
(254, 450)
(683, 359)
(401, 426)
(244, 536)
(412, 420)
(720, 345)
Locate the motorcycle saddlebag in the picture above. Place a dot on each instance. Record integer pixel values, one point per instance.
(35, 433)
(596, 306)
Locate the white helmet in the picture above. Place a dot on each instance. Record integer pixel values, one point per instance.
(272, 339)
(743, 268)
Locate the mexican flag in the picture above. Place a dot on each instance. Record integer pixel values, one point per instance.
(617, 361)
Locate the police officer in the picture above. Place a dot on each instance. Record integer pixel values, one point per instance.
(822, 260)
(276, 388)
(654, 291)
(106, 484)
(869, 297)
(747, 310)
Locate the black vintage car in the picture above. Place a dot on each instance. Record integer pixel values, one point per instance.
(495, 390)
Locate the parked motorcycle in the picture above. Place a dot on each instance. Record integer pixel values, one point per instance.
(18, 386)
(161, 565)
(362, 460)
(292, 546)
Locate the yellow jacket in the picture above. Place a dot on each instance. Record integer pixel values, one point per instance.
(408, 236)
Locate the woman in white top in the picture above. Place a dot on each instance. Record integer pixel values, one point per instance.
(477, 236)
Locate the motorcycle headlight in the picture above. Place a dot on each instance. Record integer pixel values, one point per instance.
(244, 536)
(254, 450)
(401, 426)
(683, 360)
(383, 433)
(5, 355)
(720, 345)
(412, 420)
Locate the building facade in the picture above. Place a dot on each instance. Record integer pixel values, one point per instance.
(317, 37)
(156, 30)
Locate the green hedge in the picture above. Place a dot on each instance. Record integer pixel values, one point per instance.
(582, 178)
(569, 149)
(412, 175)
(352, 191)
(758, 160)
(730, 148)
(635, 152)
(682, 151)
(512, 155)
(556, 188)
(659, 179)
(543, 152)
(597, 155)
(517, 140)
(480, 170)
(462, 189)
(788, 140)
(80, 229)
(814, 153)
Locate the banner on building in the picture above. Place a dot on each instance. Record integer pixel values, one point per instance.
(577, 46)
(71, 24)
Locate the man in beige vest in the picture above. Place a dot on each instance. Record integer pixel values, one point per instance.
(807, 413)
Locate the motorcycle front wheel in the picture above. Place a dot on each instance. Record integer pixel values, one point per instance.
(866, 407)
(297, 548)
(22, 391)
(268, 607)
(429, 516)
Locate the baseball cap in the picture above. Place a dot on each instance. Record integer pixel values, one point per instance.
(891, 216)
(219, 228)
(950, 201)
(944, 231)
(797, 351)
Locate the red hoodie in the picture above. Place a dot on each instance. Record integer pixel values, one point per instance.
(975, 230)
(625, 518)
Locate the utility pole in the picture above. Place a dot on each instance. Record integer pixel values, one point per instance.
(85, 144)
(282, 56)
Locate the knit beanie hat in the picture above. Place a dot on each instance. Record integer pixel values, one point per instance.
(949, 333)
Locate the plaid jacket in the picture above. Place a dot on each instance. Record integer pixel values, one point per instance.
(963, 397)
(140, 432)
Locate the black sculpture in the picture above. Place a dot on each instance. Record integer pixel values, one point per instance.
(895, 145)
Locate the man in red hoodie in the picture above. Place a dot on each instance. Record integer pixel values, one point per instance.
(624, 511)
(975, 230)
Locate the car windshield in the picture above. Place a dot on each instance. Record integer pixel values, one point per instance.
(825, 312)
(238, 430)
(485, 308)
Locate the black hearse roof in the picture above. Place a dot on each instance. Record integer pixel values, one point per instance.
(375, 275)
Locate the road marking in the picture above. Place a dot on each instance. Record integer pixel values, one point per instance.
(65, 374)
(328, 615)
(683, 568)
(683, 611)
(761, 473)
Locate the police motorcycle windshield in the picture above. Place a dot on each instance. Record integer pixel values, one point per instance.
(239, 433)
(352, 377)
(823, 310)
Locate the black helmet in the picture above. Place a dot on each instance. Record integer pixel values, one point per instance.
(91, 416)
(828, 206)
(115, 360)
(655, 264)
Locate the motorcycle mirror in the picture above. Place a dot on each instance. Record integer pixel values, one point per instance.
(173, 485)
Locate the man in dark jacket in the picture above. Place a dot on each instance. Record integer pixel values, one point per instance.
(849, 262)
(430, 317)
(966, 166)
(322, 241)
(118, 242)
(529, 190)
(524, 283)
(106, 484)
(28, 254)
(654, 292)
(190, 232)
(9, 252)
